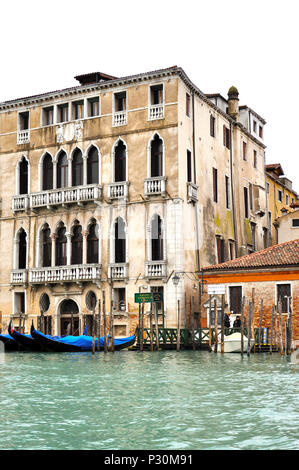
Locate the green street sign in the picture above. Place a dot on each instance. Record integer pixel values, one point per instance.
(148, 297)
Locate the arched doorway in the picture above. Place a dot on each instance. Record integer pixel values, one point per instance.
(69, 318)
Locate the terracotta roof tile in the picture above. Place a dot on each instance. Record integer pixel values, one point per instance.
(283, 254)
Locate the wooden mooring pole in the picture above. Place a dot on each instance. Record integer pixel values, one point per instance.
(280, 326)
(99, 325)
(260, 325)
(193, 323)
(105, 323)
(112, 326)
(178, 339)
(210, 323)
(271, 331)
(242, 325)
(249, 329)
(157, 326)
(142, 327)
(215, 326)
(222, 323)
(93, 332)
(151, 327)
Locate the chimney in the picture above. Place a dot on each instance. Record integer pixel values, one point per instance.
(233, 105)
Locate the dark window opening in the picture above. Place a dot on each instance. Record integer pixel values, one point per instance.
(19, 304)
(23, 169)
(235, 299)
(232, 250)
(22, 249)
(48, 116)
(120, 103)
(78, 110)
(157, 238)
(120, 162)
(156, 94)
(246, 202)
(244, 151)
(61, 247)
(156, 157)
(120, 241)
(295, 223)
(253, 234)
(189, 167)
(62, 171)
(160, 290)
(77, 245)
(261, 132)
(93, 166)
(283, 294)
(46, 246)
(93, 107)
(62, 113)
(119, 299)
(24, 121)
(77, 168)
(92, 244)
(254, 158)
(188, 105)
(215, 185)
(227, 192)
(226, 137)
(212, 126)
(47, 172)
(220, 249)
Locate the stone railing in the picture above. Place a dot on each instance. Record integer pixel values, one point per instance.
(23, 137)
(155, 269)
(118, 271)
(72, 273)
(118, 190)
(20, 203)
(19, 276)
(54, 197)
(192, 192)
(119, 118)
(156, 111)
(155, 186)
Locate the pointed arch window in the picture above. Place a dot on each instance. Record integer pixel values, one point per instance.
(120, 157)
(61, 247)
(156, 238)
(22, 258)
(47, 172)
(62, 170)
(93, 166)
(77, 245)
(24, 174)
(77, 168)
(93, 244)
(46, 246)
(120, 241)
(156, 157)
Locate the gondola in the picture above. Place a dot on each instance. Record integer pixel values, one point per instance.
(10, 344)
(25, 341)
(76, 343)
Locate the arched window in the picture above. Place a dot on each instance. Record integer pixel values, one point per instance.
(47, 175)
(61, 246)
(119, 241)
(62, 170)
(23, 169)
(93, 244)
(156, 157)
(77, 245)
(77, 168)
(22, 258)
(157, 238)
(120, 156)
(46, 246)
(93, 166)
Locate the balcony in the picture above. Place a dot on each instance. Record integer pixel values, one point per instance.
(118, 271)
(23, 137)
(192, 192)
(18, 276)
(62, 196)
(72, 273)
(155, 186)
(119, 118)
(20, 203)
(155, 269)
(156, 111)
(119, 190)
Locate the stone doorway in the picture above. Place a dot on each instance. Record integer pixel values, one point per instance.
(69, 318)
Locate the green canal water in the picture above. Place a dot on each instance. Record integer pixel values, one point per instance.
(164, 400)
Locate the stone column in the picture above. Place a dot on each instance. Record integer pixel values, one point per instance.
(85, 235)
(69, 176)
(84, 170)
(68, 248)
(54, 174)
(53, 249)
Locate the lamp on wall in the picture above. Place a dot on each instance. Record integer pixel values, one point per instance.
(175, 279)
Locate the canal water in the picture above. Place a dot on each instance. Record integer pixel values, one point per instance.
(164, 400)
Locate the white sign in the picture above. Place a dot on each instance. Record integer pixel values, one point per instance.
(216, 289)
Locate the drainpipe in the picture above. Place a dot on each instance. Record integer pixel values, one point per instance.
(195, 179)
(232, 191)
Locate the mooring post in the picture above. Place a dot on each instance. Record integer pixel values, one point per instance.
(210, 323)
(271, 332)
(151, 327)
(253, 316)
(178, 342)
(280, 326)
(99, 327)
(216, 326)
(249, 329)
(157, 326)
(93, 332)
(142, 326)
(105, 322)
(260, 325)
(222, 323)
(242, 325)
(193, 323)
(112, 326)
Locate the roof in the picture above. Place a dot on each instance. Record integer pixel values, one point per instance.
(276, 167)
(283, 254)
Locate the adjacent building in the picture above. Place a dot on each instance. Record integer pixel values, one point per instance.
(287, 226)
(114, 185)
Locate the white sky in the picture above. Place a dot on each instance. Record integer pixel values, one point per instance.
(252, 45)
